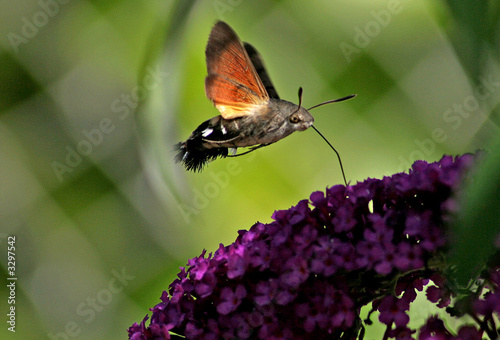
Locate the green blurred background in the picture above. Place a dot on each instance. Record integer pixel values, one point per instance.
(94, 94)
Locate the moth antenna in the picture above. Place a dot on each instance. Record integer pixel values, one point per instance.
(300, 97)
(338, 155)
(332, 101)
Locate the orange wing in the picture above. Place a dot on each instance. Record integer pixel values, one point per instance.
(232, 84)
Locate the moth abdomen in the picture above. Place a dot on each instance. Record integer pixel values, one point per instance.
(197, 150)
(194, 155)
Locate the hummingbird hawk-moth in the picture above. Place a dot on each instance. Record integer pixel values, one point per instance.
(251, 112)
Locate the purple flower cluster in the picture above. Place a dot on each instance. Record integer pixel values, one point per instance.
(307, 274)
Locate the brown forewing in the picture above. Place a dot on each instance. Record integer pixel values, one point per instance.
(232, 84)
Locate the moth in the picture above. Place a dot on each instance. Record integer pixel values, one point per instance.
(251, 112)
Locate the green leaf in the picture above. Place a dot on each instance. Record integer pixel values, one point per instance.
(471, 30)
(478, 224)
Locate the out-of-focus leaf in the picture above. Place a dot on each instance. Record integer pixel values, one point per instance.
(17, 83)
(473, 28)
(479, 221)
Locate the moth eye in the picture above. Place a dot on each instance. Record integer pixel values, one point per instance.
(294, 119)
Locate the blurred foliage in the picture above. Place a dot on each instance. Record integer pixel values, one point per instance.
(474, 33)
(478, 225)
(94, 95)
(475, 36)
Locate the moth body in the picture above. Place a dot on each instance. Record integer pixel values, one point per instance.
(212, 139)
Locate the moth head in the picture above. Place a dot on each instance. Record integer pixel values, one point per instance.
(301, 119)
